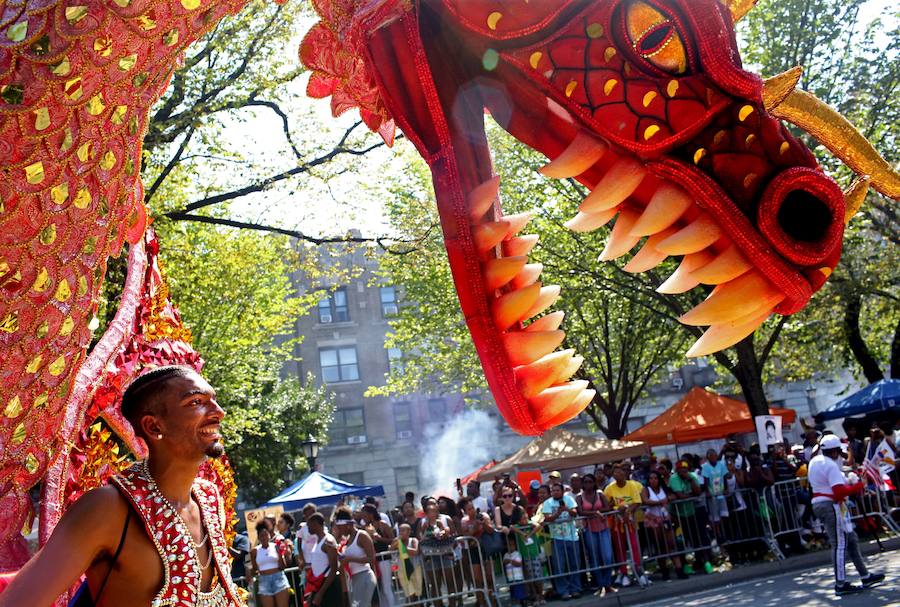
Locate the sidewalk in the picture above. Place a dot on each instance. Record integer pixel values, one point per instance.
(702, 582)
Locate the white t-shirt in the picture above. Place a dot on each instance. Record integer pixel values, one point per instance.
(306, 541)
(514, 570)
(823, 474)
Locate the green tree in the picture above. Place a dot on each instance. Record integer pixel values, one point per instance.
(854, 67)
(235, 293)
(265, 435)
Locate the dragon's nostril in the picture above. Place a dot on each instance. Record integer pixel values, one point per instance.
(804, 217)
(801, 215)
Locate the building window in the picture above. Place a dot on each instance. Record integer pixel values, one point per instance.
(334, 307)
(437, 409)
(403, 420)
(407, 479)
(354, 478)
(395, 360)
(338, 364)
(388, 302)
(348, 427)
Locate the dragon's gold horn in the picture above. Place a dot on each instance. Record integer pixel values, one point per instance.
(777, 88)
(739, 8)
(836, 133)
(854, 196)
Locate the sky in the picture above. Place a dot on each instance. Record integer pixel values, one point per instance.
(353, 199)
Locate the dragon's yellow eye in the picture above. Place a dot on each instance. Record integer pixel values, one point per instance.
(654, 37)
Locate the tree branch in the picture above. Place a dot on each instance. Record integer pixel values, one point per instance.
(381, 241)
(269, 181)
(285, 124)
(767, 349)
(169, 166)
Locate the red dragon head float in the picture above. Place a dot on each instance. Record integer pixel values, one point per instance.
(644, 102)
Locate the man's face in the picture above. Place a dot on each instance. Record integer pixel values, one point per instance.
(619, 474)
(308, 512)
(712, 456)
(190, 417)
(556, 491)
(473, 489)
(683, 472)
(575, 482)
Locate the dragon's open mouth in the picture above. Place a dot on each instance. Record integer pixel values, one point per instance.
(642, 101)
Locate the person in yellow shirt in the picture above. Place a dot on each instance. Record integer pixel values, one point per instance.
(625, 496)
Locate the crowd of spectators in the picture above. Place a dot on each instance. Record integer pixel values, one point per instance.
(623, 523)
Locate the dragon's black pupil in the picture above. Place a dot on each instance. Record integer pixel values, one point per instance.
(655, 38)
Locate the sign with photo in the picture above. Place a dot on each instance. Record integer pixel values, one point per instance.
(252, 517)
(768, 429)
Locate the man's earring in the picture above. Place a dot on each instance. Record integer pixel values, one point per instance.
(159, 437)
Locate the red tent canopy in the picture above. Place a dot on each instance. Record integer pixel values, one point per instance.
(474, 475)
(701, 415)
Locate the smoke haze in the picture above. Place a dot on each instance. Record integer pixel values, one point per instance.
(465, 443)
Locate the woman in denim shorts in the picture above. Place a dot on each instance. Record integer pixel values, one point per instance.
(269, 559)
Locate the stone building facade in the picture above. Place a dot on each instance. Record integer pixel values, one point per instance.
(373, 440)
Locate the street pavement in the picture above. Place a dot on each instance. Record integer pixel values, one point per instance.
(809, 588)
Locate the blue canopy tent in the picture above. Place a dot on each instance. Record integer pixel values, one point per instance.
(882, 396)
(321, 490)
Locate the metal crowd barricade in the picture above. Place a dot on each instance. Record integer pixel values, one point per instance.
(677, 529)
(787, 502)
(441, 574)
(748, 521)
(873, 503)
(589, 563)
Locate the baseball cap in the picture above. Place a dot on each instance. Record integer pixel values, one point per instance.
(830, 441)
(555, 474)
(682, 465)
(534, 484)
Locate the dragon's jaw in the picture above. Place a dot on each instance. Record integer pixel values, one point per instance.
(676, 196)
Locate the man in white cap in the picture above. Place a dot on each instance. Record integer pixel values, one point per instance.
(830, 489)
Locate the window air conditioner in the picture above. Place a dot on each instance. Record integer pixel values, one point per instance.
(325, 318)
(404, 434)
(356, 440)
(390, 309)
(677, 382)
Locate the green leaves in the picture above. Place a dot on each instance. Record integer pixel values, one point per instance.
(234, 291)
(853, 63)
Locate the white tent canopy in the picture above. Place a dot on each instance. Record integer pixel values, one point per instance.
(561, 449)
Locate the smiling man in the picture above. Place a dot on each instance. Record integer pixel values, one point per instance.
(155, 535)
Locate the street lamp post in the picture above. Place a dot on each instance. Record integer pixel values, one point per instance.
(311, 451)
(811, 398)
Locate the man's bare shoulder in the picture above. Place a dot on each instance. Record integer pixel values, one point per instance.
(104, 508)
